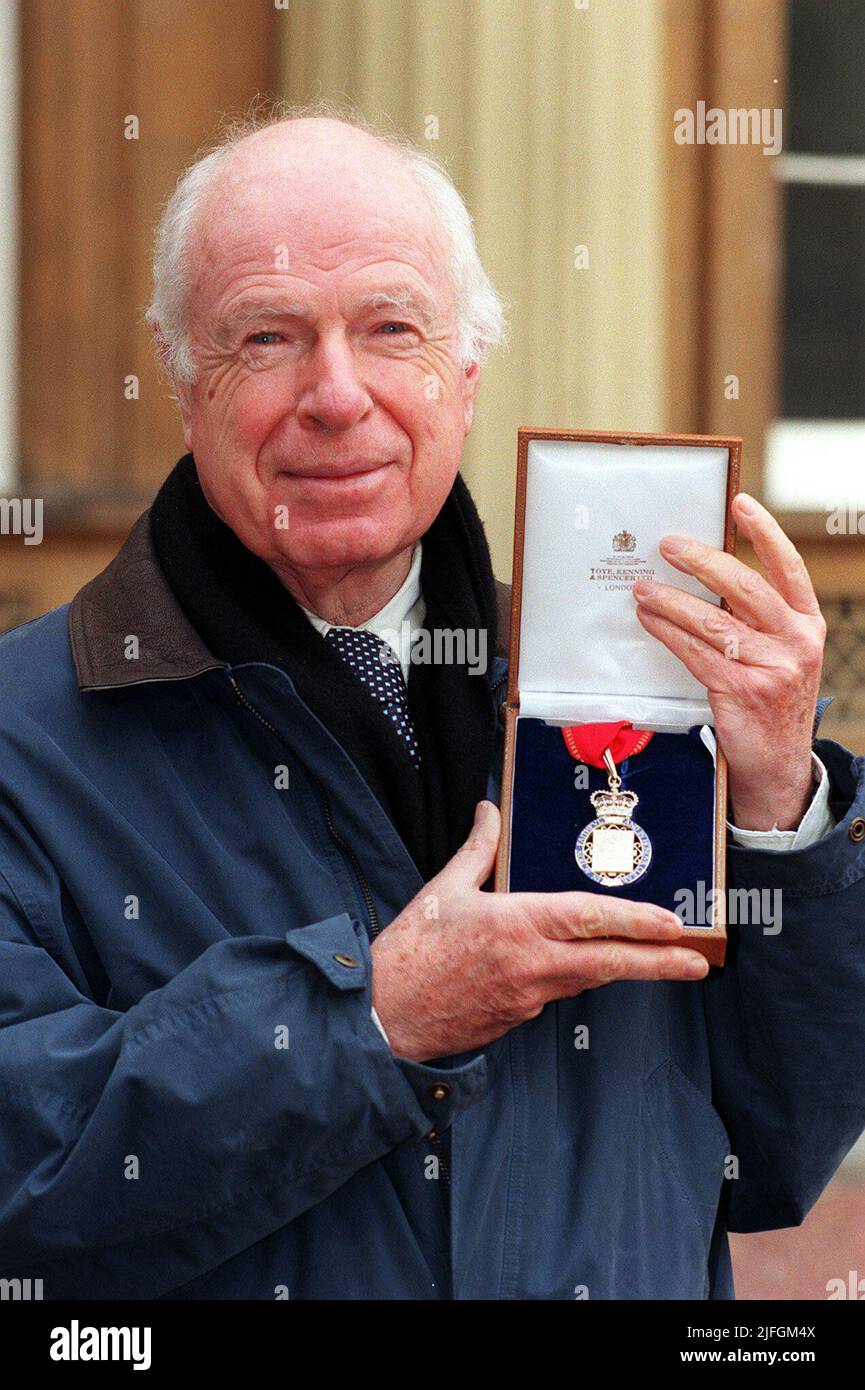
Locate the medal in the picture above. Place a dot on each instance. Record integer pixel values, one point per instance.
(612, 850)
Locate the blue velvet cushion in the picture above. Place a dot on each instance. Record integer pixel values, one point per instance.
(674, 778)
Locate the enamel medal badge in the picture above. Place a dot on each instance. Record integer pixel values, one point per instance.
(612, 850)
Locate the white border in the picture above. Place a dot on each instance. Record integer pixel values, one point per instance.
(815, 465)
(9, 197)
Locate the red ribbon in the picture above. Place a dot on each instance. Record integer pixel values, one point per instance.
(588, 742)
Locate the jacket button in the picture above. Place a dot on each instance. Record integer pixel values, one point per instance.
(440, 1091)
(348, 961)
(857, 830)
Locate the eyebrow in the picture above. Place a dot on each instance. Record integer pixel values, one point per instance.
(404, 298)
(260, 309)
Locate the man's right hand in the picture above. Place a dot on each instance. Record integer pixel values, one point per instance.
(459, 967)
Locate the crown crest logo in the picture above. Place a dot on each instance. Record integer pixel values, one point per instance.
(624, 541)
(614, 805)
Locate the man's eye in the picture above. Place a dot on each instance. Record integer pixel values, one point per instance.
(264, 339)
(394, 329)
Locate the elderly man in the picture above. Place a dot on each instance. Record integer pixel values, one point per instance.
(266, 1031)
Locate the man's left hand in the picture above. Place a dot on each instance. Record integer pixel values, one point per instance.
(760, 663)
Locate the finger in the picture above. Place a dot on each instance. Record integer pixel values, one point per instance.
(709, 667)
(572, 916)
(785, 569)
(570, 968)
(473, 862)
(716, 627)
(749, 595)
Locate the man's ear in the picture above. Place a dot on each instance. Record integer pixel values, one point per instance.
(471, 381)
(160, 342)
(184, 405)
(180, 390)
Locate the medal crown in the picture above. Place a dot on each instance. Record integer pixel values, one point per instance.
(614, 805)
(624, 541)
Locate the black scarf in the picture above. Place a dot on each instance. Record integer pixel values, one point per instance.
(242, 612)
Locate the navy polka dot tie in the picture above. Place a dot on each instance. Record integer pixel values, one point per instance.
(376, 665)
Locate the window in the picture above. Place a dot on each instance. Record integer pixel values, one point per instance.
(816, 451)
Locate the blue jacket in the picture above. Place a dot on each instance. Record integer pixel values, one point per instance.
(195, 1100)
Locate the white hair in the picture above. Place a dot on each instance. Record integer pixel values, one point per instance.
(480, 312)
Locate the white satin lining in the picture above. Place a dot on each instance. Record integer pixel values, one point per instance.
(583, 654)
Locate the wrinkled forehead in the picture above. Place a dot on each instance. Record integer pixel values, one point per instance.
(317, 212)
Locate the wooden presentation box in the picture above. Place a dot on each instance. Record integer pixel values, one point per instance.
(591, 509)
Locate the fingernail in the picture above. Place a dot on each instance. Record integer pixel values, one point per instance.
(696, 969)
(645, 586)
(673, 545)
(746, 504)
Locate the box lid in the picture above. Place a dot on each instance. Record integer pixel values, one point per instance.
(591, 510)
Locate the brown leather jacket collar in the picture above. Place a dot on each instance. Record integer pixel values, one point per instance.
(131, 599)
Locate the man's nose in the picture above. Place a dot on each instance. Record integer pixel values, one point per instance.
(332, 395)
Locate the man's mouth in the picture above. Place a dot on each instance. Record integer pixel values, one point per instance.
(353, 470)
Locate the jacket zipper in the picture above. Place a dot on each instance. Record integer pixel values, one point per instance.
(343, 845)
(502, 680)
(435, 1142)
(434, 1139)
